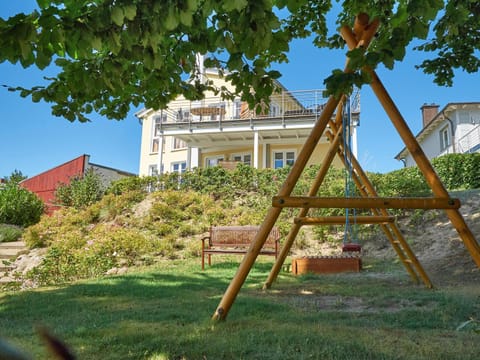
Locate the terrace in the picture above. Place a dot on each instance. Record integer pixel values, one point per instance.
(215, 122)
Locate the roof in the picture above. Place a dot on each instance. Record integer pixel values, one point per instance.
(437, 120)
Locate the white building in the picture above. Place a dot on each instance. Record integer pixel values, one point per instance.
(213, 131)
(453, 130)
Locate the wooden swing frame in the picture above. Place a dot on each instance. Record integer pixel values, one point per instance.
(359, 37)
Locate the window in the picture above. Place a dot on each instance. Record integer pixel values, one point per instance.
(179, 167)
(157, 123)
(274, 109)
(237, 109)
(283, 158)
(243, 158)
(178, 144)
(218, 110)
(157, 127)
(213, 161)
(182, 115)
(153, 170)
(155, 145)
(444, 138)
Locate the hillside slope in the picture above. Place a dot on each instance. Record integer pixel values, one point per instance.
(429, 233)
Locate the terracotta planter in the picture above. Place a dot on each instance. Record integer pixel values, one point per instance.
(326, 265)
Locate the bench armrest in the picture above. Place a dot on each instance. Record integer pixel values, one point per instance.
(206, 238)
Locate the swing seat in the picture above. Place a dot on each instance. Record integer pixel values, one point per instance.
(351, 247)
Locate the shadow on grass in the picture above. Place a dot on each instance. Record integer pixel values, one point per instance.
(165, 314)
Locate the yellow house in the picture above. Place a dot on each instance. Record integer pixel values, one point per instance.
(213, 131)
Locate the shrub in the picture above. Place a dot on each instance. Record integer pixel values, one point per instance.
(10, 233)
(133, 183)
(81, 191)
(18, 206)
(458, 171)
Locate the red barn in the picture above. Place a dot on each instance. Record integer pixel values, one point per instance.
(45, 184)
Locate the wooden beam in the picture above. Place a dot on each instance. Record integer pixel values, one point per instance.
(364, 203)
(417, 152)
(340, 220)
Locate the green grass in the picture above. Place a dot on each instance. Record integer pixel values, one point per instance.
(164, 311)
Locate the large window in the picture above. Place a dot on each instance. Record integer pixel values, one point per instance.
(182, 115)
(283, 158)
(237, 109)
(213, 161)
(243, 158)
(154, 148)
(274, 109)
(444, 138)
(157, 125)
(178, 144)
(153, 170)
(179, 167)
(155, 145)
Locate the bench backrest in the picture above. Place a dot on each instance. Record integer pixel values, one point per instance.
(240, 236)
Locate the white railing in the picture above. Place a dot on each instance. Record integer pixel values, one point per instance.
(284, 104)
(469, 142)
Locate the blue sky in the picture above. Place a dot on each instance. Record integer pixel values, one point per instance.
(32, 140)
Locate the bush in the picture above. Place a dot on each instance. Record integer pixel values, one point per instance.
(10, 233)
(18, 206)
(81, 192)
(458, 171)
(133, 183)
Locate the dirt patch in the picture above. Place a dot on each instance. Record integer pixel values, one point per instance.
(432, 238)
(349, 304)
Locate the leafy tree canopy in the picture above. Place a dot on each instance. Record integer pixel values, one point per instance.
(15, 178)
(113, 54)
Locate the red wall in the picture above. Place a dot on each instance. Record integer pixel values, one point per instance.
(44, 184)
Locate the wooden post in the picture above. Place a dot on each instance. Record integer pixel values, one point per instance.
(272, 216)
(292, 234)
(418, 155)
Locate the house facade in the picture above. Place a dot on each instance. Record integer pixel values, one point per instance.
(212, 131)
(455, 129)
(45, 184)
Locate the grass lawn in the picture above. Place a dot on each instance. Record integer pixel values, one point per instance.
(164, 311)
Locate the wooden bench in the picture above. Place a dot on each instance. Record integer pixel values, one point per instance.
(236, 240)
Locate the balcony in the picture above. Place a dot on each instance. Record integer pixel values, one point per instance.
(470, 142)
(290, 116)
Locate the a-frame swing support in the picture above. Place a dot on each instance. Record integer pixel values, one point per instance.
(361, 35)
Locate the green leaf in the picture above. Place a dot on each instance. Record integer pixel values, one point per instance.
(231, 5)
(96, 43)
(130, 11)
(117, 16)
(43, 4)
(36, 97)
(42, 60)
(172, 19)
(186, 18)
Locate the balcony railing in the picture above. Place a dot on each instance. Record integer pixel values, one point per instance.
(284, 106)
(470, 142)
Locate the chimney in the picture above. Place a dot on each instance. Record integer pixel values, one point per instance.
(429, 111)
